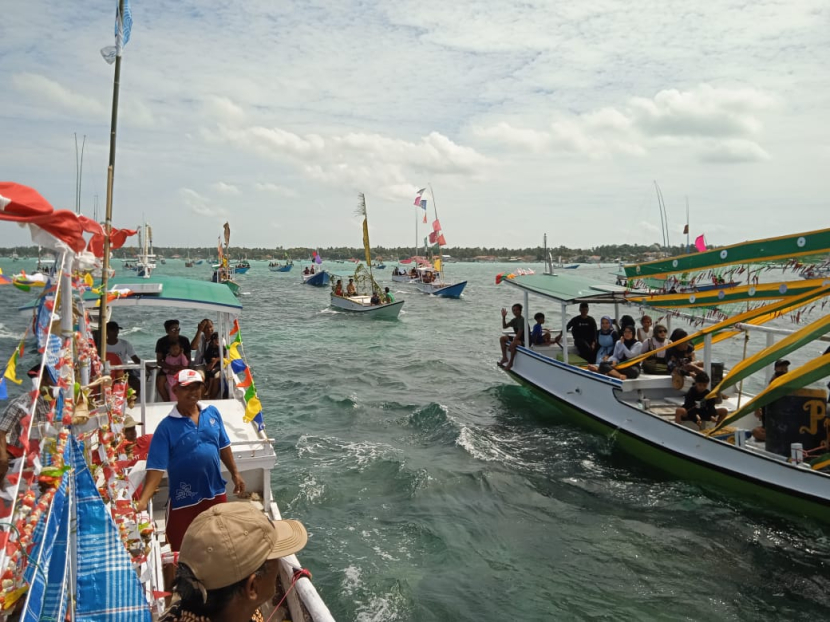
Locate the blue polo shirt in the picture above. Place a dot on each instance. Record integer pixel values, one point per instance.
(190, 455)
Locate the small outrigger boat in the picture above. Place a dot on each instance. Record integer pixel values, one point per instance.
(276, 266)
(431, 278)
(785, 461)
(368, 298)
(242, 267)
(317, 278)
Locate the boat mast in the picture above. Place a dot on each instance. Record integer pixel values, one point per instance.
(435, 209)
(687, 226)
(116, 82)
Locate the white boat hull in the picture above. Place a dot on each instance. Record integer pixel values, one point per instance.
(362, 305)
(401, 278)
(596, 396)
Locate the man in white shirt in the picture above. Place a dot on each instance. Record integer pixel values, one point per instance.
(122, 349)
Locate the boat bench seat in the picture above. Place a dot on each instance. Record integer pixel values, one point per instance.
(646, 381)
(555, 352)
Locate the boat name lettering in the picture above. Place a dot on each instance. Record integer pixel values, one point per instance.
(817, 414)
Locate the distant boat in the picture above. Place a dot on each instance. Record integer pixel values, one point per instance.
(318, 278)
(242, 267)
(145, 263)
(431, 280)
(368, 299)
(222, 272)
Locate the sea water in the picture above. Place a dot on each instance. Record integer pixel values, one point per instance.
(434, 488)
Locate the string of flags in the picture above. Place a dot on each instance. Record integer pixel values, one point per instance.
(253, 407)
(422, 203)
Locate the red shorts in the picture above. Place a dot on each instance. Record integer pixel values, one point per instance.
(179, 520)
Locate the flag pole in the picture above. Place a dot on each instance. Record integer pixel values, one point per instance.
(116, 83)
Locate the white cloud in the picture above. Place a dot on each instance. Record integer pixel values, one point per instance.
(222, 188)
(44, 90)
(201, 205)
(275, 189)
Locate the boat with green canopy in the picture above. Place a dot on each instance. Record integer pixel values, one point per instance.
(784, 461)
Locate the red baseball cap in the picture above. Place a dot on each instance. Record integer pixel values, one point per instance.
(188, 376)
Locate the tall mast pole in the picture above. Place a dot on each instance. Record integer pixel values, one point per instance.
(116, 83)
(687, 226)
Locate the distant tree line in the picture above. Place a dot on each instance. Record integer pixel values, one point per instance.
(603, 253)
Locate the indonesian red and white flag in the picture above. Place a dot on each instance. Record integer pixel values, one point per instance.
(418, 197)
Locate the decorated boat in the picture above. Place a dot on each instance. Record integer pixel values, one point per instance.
(276, 266)
(368, 298)
(74, 545)
(782, 462)
(431, 280)
(222, 270)
(242, 267)
(315, 277)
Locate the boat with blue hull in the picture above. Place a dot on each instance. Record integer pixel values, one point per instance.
(318, 279)
(280, 267)
(441, 289)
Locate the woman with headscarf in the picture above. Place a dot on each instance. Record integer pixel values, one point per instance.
(606, 338)
(626, 348)
(656, 364)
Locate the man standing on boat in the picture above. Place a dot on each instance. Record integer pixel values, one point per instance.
(188, 444)
(511, 341)
(125, 353)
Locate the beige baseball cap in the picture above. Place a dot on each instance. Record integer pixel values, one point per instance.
(230, 541)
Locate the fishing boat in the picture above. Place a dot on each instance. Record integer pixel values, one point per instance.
(145, 262)
(431, 280)
(788, 470)
(406, 270)
(242, 267)
(276, 266)
(317, 278)
(222, 272)
(368, 298)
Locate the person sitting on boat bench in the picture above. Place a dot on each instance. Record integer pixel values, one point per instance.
(584, 332)
(305, 270)
(375, 300)
(780, 367)
(656, 364)
(389, 297)
(698, 409)
(338, 288)
(162, 349)
(511, 341)
(539, 335)
(350, 288)
(124, 352)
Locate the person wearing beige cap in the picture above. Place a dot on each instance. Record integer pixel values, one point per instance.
(189, 444)
(228, 563)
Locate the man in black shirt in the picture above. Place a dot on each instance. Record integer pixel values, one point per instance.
(698, 409)
(171, 327)
(584, 332)
(511, 341)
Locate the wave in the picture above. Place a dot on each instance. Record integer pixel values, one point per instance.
(6, 333)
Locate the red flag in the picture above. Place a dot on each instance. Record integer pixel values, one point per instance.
(436, 226)
(417, 202)
(432, 237)
(425, 218)
(235, 328)
(22, 204)
(441, 240)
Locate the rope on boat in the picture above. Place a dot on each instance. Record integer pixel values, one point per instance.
(299, 573)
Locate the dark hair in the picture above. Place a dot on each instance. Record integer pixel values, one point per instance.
(701, 377)
(627, 320)
(214, 336)
(583, 305)
(629, 327)
(517, 305)
(170, 323)
(187, 586)
(677, 334)
(539, 316)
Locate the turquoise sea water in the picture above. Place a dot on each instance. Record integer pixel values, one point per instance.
(434, 488)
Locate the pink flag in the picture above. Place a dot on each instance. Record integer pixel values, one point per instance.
(432, 237)
(700, 244)
(436, 226)
(441, 240)
(418, 198)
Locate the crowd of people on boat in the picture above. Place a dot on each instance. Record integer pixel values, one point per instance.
(605, 348)
(308, 270)
(377, 298)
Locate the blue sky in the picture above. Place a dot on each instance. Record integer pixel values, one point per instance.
(526, 117)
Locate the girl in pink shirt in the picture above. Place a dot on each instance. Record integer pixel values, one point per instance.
(175, 358)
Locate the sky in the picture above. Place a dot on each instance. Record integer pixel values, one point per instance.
(525, 117)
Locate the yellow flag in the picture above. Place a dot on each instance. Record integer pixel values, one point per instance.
(233, 351)
(366, 241)
(438, 265)
(252, 409)
(88, 280)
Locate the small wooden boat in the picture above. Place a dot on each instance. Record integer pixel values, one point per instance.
(319, 278)
(242, 267)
